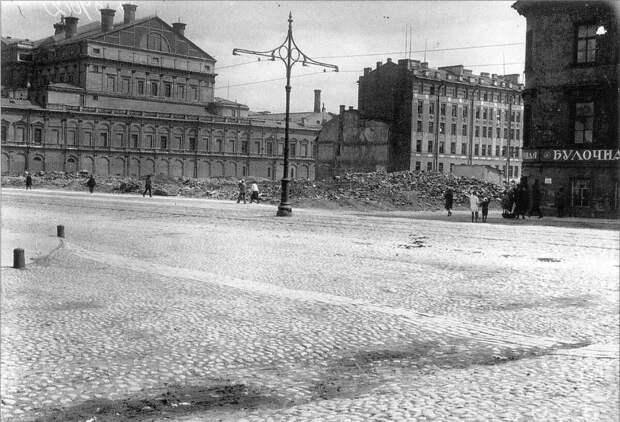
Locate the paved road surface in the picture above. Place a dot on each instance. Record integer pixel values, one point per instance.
(185, 309)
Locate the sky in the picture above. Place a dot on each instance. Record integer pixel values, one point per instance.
(350, 34)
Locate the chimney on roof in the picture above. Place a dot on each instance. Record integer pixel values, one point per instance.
(179, 28)
(367, 70)
(378, 65)
(59, 26)
(341, 110)
(129, 13)
(107, 19)
(70, 26)
(484, 74)
(317, 100)
(424, 65)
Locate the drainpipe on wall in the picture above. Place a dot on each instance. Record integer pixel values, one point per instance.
(436, 146)
(470, 150)
(510, 99)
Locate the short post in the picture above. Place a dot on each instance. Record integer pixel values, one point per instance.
(19, 261)
(60, 231)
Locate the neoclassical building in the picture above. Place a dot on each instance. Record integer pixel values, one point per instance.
(130, 99)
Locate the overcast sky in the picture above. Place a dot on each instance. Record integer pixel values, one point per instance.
(349, 34)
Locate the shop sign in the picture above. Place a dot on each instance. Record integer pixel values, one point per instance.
(547, 180)
(572, 155)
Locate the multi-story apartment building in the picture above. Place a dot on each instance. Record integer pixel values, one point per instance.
(444, 117)
(571, 140)
(131, 99)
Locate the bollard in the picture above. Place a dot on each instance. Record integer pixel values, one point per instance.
(18, 258)
(60, 231)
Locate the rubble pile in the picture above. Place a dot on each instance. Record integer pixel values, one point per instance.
(402, 190)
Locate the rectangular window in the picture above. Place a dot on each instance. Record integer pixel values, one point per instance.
(485, 113)
(431, 127)
(178, 141)
(417, 166)
(477, 132)
(429, 166)
(38, 136)
(269, 148)
(231, 146)
(431, 108)
(168, 89)
(134, 140)
(429, 146)
(125, 86)
(441, 147)
(96, 50)
(103, 139)
(453, 129)
(443, 109)
(293, 150)
(244, 147)
(498, 132)
(505, 133)
(154, 86)
(453, 148)
(484, 150)
(484, 131)
(584, 123)
(420, 107)
(194, 93)
(4, 133)
(192, 144)
(476, 149)
(477, 112)
(440, 167)
(497, 150)
(140, 87)
(454, 110)
(504, 151)
(112, 83)
(164, 142)
(218, 145)
(442, 128)
(491, 114)
(517, 134)
(181, 91)
(586, 43)
(418, 145)
(464, 111)
(581, 189)
(304, 148)
(464, 130)
(149, 141)
(463, 149)
(419, 126)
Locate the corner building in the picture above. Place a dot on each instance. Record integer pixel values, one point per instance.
(571, 137)
(444, 117)
(131, 99)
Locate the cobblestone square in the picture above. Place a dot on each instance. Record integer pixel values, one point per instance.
(188, 309)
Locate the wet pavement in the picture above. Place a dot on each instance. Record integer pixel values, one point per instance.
(184, 309)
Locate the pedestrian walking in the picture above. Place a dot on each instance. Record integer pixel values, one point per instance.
(449, 199)
(242, 190)
(91, 183)
(522, 200)
(473, 206)
(28, 181)
(560, 202)
(484, 207)
(536, 196)
(254, 193)
(147, 187)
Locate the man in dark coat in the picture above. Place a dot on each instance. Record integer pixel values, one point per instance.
(91, 183)
(28, 181)
(522, 201)
(242, 191)
(449, 198)
(560, 202)
(147, 187)
(536, 196)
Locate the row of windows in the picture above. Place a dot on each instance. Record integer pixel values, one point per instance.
(487, 132)
(478, 94)
(485, 113)
(152, 88)
(479, 150)
(513, 171)
(177, 143)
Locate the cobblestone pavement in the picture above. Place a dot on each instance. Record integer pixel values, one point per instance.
(181, 309)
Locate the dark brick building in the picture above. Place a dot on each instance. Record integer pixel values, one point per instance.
(571, 103)
(444, 117)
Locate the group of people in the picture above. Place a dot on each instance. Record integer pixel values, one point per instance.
(516, 200)
(243, 188)
(475, 205)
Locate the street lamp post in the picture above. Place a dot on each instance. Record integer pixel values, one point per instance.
(290, 54)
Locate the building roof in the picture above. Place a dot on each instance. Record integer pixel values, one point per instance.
(93, 30)
(60, 86)
(228, 103)
(14, 102)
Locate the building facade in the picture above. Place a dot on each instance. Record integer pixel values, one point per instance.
(132, 99)
(571, 137)
(444, 117)
(347, 143)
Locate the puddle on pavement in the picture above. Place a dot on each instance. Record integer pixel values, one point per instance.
(549, 259)
(174, 402)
